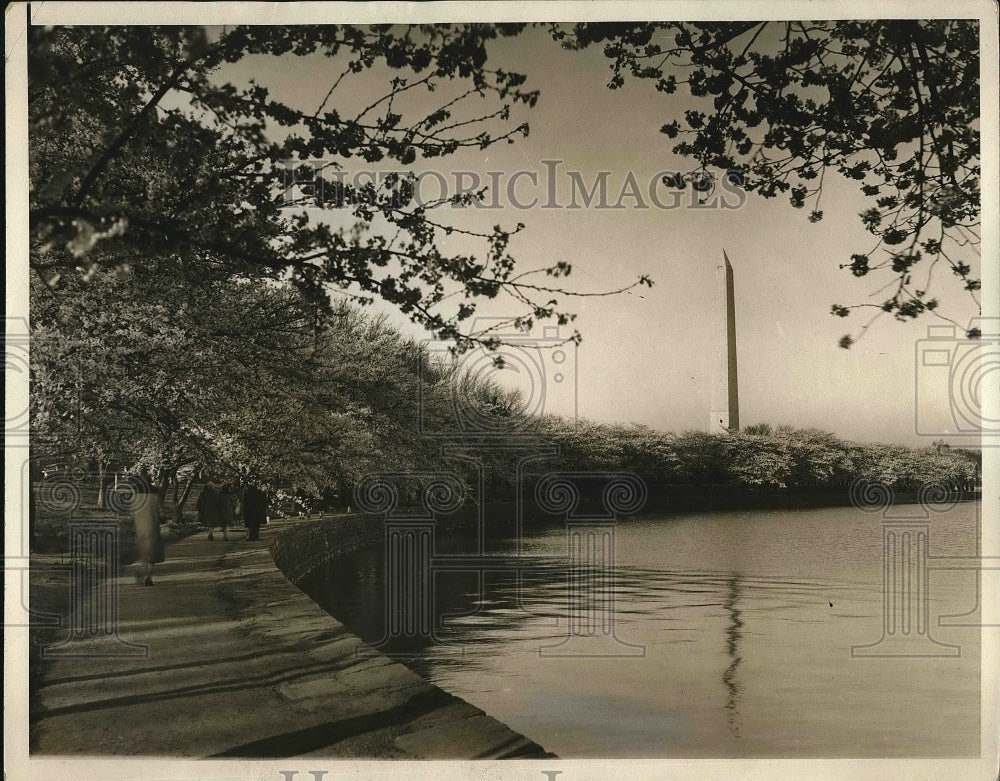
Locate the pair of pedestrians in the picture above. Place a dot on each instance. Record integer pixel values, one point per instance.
(217, 507)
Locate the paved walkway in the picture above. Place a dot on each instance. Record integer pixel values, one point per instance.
(223, 657)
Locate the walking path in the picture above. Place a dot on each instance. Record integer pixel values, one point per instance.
(224, 657)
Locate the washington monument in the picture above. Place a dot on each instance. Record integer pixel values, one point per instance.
(725, 413)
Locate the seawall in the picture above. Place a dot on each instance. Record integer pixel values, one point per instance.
(225, 657)
(306, 545)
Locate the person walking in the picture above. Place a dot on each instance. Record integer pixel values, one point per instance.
(146, 517)
(227, 509)
(254, 511)
(210, 507)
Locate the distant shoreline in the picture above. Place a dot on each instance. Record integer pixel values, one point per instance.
(709, 498)
(681, 499)
(792, 499)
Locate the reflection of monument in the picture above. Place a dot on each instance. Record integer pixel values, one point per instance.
(734, 634)
(725, 393)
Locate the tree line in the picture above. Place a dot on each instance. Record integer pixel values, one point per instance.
(759, 457)
(180, 378)
(189, 316)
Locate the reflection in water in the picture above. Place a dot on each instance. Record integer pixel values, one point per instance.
(733, 637)
(791, 686)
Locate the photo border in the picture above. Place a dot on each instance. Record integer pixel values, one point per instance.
(17, 762)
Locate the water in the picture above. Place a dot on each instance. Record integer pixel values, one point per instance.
(732, 636)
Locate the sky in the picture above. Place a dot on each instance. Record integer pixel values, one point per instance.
(647, 355)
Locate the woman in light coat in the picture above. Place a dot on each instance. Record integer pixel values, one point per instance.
(146, 517)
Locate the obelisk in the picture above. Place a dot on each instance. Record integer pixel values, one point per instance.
(725, 414)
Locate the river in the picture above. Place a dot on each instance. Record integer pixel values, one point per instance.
(731, 634)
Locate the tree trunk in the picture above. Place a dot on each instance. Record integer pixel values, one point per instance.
(179, 504)
(161, 489)
(102, 479)
(345, 490)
